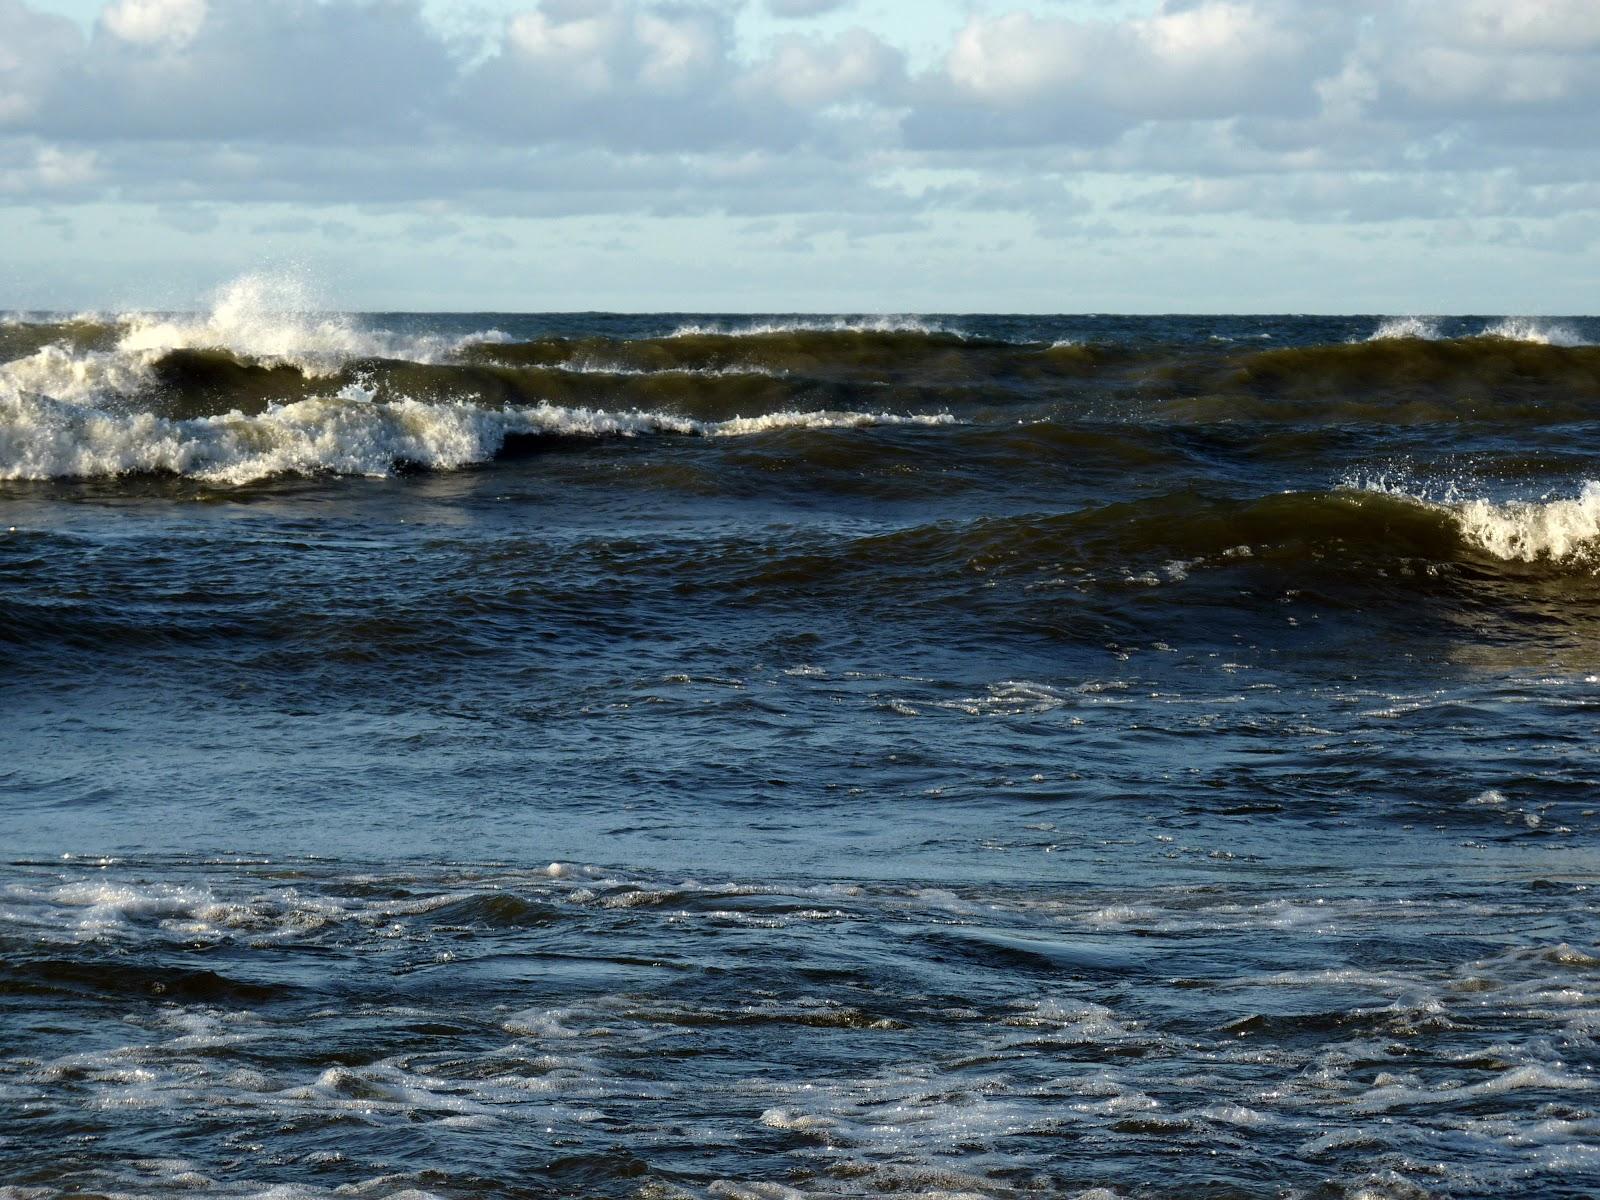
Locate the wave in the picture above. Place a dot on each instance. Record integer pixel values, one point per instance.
(1525, 329)
(1347, 530)
(275, 318)
(1510, 329)
(351, 433)
(1346, 546)
(264, 320)
(256, 383)
(1424, 329)
(1406, 380)
(860, 354)
(881, 323)
(1558, 530)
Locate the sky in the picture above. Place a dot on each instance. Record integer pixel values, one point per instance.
(1374, 156)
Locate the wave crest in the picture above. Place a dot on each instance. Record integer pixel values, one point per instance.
(350, 433)
(1563, 529)
(882, 323)
(1424, 329)
(1510, 329)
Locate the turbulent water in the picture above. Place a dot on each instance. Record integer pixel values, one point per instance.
(690, 756)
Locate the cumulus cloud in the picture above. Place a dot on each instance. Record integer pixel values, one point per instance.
(1371, 110)
(810, 74)
(1217, 55)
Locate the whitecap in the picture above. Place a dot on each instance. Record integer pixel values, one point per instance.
(1394, 328)
(349, 433)
(1529, 329)
(884, 323)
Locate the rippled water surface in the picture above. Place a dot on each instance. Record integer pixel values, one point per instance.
(697, 756)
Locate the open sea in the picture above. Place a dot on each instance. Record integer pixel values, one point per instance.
(674, 757)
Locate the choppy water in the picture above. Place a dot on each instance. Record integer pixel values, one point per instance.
(698, 756)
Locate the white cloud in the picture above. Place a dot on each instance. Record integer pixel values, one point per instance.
(806, 73)
(1294, 109)
(599, 46)
(1215, 58)
(168, 23)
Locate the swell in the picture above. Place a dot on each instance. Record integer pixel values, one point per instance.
(182, 373)
(1403, 379)
(192, 383)
(62, 980)
(240, 394)
(930, 358)
(1184, 540)
(1200, 553)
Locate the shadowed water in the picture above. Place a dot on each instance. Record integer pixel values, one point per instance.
(681, 756)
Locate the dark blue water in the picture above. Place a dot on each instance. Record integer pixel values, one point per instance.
(669, 756)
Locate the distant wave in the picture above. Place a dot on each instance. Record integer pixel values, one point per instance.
(1526, 329)
(1511, 329)
(802, 324)
(1393, 328)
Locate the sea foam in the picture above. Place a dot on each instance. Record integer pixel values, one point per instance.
(276, 318)
(1552, 529)
(350, 433)
(267, 319)
(1394, 328)
(1512, 329)
(887, 323)
(1561, 530)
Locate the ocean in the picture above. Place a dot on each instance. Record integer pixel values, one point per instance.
(770, 757)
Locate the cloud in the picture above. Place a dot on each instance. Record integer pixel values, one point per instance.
(293, 69)
(172, 23)
(33, 45)
(809, 74)
(1294, 109)
(38, 169)
(798, 9)
(1213, 59)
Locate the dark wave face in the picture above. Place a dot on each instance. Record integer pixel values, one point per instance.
(690, 756)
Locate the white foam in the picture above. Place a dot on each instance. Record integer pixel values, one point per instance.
(1558, 529)
(349, 433)
(885, 323)
(1394, 328)
(1009, 698)
(1515, 329)
(264, 318)
(594, 366)
(820, 419)
(276, 318)
(1528, 329)
(76, 377)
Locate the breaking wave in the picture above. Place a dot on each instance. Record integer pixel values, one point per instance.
(1395, 328)
(1557, 530)
(1510, 329)
(1342, 542)
(351, 433)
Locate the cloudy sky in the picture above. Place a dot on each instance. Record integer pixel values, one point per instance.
(802, 155)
